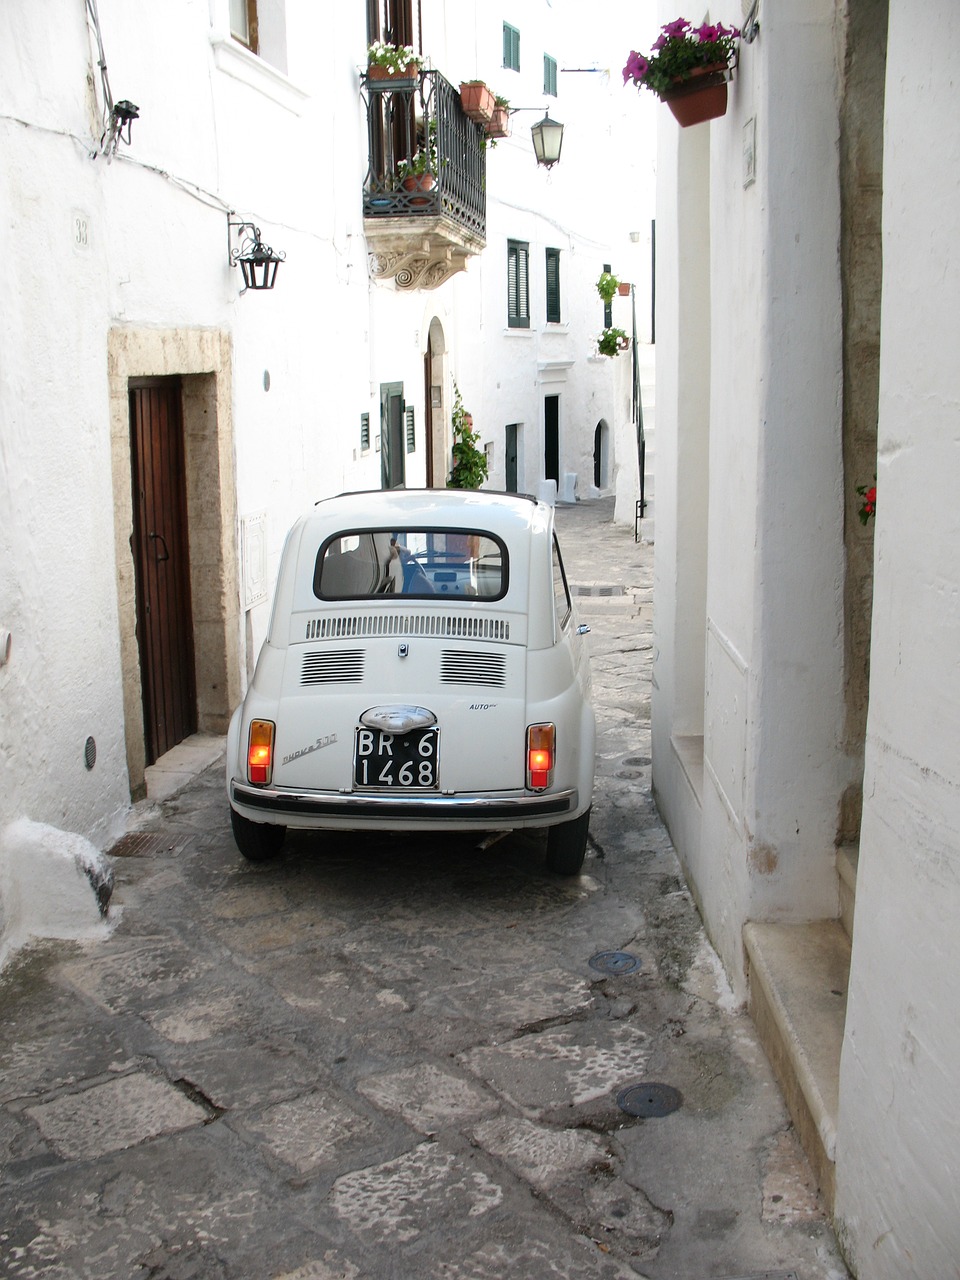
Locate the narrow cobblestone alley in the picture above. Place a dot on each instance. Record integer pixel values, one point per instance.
(384, 1059)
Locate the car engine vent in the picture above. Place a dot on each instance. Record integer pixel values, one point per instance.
(338, 666)
(464, 626)
(460, 666)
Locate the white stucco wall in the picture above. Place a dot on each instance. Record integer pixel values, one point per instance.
(749, 542)
(898, 1194)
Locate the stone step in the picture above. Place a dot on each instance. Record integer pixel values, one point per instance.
(798, 976)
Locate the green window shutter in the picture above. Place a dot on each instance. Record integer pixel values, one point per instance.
(549, 75)
(410, 430)
(553, 286)
(364, 431)
(607, 306)
(511, 47)
(518, 285)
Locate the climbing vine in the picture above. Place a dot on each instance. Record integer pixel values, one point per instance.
(469, 460)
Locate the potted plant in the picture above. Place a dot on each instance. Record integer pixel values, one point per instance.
(392, 61)
(419, 171)
(612, 341)
(477, 101)
(499, 126)
(688, 69)
(469, 460)
(607, 286)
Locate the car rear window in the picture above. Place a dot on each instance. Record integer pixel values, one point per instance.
(425, 563)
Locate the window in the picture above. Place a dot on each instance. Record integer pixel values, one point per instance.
(561, 592)
(511, 47)
(391, 20)
(415, 562)
(261, 26)
(549, 75)
(553, 286)
(518, 285)
(364, 431)
(243, 23)
(607, 306)
(410, 428)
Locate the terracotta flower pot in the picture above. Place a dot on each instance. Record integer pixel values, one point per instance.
(477, 101)
(700, 96)
(623, 290)
(376, 72)
(419, 182)
(499, 126)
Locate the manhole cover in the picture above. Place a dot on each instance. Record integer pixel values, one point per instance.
(648, 1099)
(614, 962)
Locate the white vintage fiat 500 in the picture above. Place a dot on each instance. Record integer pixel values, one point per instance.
(424, 669)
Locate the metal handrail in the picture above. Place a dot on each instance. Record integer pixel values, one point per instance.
(418, 124)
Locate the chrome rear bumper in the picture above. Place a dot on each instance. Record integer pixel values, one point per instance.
(466, 810)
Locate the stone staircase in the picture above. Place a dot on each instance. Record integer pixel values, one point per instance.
(798, 975)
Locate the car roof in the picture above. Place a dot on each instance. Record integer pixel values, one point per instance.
(387, 508)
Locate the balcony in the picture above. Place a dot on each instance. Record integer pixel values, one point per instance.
(424, 196)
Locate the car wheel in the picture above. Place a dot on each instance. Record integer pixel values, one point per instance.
(257, 841)
(567, 845)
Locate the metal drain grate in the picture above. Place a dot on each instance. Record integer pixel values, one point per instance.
(649, 1100)
(145, 844)
(765, 1275)
(614, 962)
(597, 591)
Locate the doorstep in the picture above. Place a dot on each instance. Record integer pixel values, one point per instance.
(798, 976)
(182, 763)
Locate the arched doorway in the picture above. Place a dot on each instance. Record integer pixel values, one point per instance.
(601, 455)
(434, 399)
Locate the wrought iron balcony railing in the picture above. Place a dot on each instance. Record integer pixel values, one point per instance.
(426, 175)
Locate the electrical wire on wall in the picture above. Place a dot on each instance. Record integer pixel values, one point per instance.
(115, 116)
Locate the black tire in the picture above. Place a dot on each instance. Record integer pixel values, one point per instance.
(257, 841)
(567, 845)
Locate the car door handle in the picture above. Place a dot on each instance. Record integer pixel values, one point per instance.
(165, 555)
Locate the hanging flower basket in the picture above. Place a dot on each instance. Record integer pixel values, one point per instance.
(478, 101)
(700, 97)
(688, 69)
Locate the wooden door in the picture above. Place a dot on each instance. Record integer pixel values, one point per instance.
(551, 438)
(162, 562)
(392, 472)
(511, 481)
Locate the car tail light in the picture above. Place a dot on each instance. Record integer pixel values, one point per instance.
(260, 751)
(541, 755)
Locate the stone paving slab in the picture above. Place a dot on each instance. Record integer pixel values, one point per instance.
(387, 1059)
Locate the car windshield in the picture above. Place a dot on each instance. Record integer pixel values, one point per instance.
(360, 563)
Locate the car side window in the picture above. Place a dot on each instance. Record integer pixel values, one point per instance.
(561, 592)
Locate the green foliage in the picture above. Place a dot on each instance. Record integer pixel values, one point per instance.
(607, 285)
(395, 57)
(469, 460)
(611, 341)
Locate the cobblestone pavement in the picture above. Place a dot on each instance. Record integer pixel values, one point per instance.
(389, 1058)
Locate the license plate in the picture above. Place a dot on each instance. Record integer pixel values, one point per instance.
(397, 761)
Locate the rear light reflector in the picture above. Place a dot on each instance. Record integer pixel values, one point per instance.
(260, 751)
(541, 755)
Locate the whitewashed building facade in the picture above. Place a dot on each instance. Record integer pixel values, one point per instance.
(805, 729)
(159, 430)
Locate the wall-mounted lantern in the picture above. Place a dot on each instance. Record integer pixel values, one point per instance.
(258, 262)
(547, 137)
